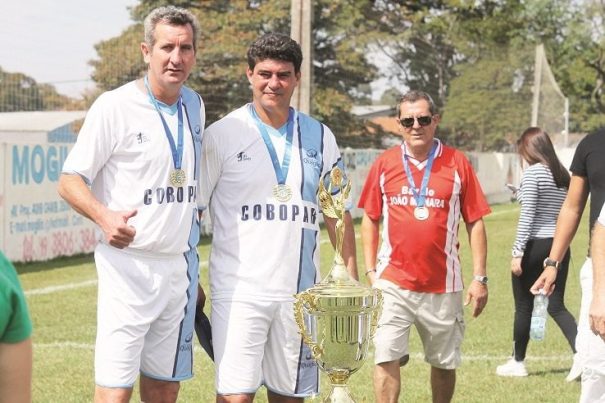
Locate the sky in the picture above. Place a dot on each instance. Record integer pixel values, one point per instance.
(53, 40)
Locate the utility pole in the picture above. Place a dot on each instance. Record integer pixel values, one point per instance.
(300, 17)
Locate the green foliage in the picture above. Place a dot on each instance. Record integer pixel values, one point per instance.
(487, 101)
(341, 68)
(466, 54)
(227, 30)
(580, 65)
(19, 92)
(463, 52)
(126, 49)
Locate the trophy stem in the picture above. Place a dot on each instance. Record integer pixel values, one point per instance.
(339, 394)
(338, 273)
(338, 316)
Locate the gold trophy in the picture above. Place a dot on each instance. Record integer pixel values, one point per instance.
(337, 317)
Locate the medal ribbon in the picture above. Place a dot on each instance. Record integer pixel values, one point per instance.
(177, 150)
(419, 196)
(281, 171)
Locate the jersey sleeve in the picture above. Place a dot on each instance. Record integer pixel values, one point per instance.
(211, 165)
(198, 148)
(578, 163)
(528, 196)
(15, 323)
(474, 205)
(94, 144)
(371, 195)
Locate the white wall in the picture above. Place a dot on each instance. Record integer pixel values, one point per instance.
(494, 171)
(36, 223)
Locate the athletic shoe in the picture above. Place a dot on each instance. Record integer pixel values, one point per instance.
(576, 370)
(512, 368)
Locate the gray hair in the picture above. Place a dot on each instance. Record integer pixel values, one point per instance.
(173, 16)
(415, 96)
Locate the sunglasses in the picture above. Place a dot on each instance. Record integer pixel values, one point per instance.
(422, 121)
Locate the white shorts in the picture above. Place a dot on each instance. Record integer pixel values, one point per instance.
(439, 320)
(145, 313)
(257, 342)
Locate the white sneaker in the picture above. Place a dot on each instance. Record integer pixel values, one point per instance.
(576, 370)
(512, 368)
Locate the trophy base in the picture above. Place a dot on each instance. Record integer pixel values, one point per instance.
(339, 394)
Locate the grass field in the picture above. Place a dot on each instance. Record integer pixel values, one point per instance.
(62, 300)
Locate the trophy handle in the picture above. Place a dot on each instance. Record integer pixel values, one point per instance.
(300, 321)
(376, 313)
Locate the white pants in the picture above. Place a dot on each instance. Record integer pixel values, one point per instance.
(591, 348)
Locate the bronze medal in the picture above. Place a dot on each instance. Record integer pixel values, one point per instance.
(178, 178)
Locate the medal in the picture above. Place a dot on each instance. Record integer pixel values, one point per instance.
(178, 178)
(421, 213)
(282, 193)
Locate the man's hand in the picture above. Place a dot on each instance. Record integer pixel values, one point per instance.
(515, 266)
(371, 276)
(116, 229)
(477, 292)
(546, 281)
(597, 315)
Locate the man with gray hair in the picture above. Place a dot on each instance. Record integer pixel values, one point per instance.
(134, 171)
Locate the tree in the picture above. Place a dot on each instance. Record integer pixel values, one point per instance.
(416, 36)
(340, 65)
(471, 57)
(579, 64)
(487, 103)
(19, 92)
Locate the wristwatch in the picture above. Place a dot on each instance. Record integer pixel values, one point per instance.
(481, 279)
(517, 253)
(552, 263)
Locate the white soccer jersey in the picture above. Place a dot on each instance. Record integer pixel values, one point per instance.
(263, 248)
(122, 151)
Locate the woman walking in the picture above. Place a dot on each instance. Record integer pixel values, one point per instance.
(541, 193)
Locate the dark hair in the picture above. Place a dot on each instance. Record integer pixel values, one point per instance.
(535, 146)
(170, 15)
(415, 96)
(275, 46)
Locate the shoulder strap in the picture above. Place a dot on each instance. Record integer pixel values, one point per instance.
(311, 140)
(193, 102)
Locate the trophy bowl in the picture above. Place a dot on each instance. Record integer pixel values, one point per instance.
(337, 317)
(337, 322)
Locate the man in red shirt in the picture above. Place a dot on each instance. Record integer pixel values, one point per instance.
(422, 189)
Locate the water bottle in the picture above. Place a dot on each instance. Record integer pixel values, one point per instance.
(538, 316)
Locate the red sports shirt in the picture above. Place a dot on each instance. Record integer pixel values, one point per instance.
(422, 255)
